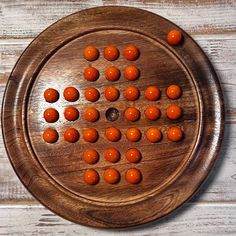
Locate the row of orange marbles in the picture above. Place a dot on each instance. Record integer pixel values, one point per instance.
(111, 53)
(91, 114)
(113, 134)
(131, 52)
(91, 156)
(112, 176)
(112, 73)
(131, 93)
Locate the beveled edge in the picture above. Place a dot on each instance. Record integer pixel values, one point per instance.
(16, 83)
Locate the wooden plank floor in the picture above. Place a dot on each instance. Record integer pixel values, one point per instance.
(212, 23)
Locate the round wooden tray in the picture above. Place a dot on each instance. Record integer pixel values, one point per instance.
(171, 171)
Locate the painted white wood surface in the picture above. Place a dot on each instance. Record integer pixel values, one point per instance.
(192, 219)
(24, 18)
(212, 23)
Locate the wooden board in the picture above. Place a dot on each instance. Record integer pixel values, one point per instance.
(212, 219)
(201, 94)
(220, 187)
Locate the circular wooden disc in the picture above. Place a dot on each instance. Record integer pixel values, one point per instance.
(171, 171)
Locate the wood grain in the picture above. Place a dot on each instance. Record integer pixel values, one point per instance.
(220, 186)
(65, 164)
(199, 219)
(202, 102)
(197, 17)
(221, 49)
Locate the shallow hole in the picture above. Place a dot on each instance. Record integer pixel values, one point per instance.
(112, 114)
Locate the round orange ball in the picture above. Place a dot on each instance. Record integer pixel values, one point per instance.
(91, 94)
(91, 73)
(71, 135)
(132, 93)
(91, 114)
(90, 135)
(90, 156)
(133, 134)
(152, 113)
(133, 155)
(113, 134)
(152, 93)
(111, 53)
(174, 134)
(174, 37)
(132, 114)
(174, 112)
(71, 113)
(71, 94)
(111, 176)
(174, 91)
(153, 135)
(111, 94)
(133, 176)
(51, 95)
(51, 115)
(131, 53)
(50, 135)
(112, 155)
(91, 177)
(131, 73)
(91, 53)
(112, 73)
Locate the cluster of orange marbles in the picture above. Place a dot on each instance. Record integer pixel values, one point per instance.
(112, 73)
(91, 156)
(113, 134)
(111, 93)
(112, 175)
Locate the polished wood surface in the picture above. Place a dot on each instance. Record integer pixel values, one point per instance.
(213, 32)
(53, 173)
(160, 162)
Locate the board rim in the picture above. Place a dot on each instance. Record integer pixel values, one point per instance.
(5, 118)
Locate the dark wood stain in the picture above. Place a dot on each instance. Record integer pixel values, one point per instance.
(171, 171)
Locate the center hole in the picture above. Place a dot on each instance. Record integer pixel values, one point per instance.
(112, 114)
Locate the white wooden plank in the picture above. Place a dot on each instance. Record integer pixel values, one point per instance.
(192, 219)
(11, 188)
(22, 18)
(221, 50)
(10, 51)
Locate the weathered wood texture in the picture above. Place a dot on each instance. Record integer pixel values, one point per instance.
(213, 26)
(196, 17)
(197, 219)
(166, 166)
